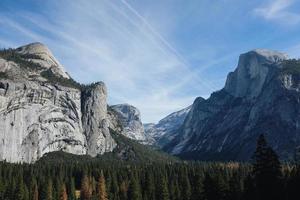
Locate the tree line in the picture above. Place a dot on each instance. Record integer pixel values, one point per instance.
(264, 178)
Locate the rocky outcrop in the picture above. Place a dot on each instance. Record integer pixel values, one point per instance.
(40, 54)
(165, 130)
(130, 119)
(262, 96)
(43, 110)
(95, 120)
(37, 118)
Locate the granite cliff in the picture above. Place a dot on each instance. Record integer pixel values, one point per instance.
(42, 109)
(262, 96)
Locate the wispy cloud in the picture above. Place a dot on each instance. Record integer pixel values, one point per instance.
(152, 54)
(279, 10)
(111, 41)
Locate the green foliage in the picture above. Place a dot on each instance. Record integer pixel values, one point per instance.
(23, 60)
(3, 75)
(20, 59)
(126, 180)
(163, 192)
(54, 79)
(132, 151)
(267, 171)
(291, 66)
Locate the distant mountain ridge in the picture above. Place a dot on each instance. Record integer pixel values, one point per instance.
(130, 119)
(164, 131)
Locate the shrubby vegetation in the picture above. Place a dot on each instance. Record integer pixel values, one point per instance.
(3, 75)
(22, 61)
(291, 66)
(73, 177)
(52, 78)
(12, 55)
(134, 152)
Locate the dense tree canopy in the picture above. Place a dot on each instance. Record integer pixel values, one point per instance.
(97, 179)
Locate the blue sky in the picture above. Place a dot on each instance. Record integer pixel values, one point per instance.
(157, 55)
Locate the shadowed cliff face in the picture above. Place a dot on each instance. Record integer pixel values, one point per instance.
(39, 115)
(260, 97)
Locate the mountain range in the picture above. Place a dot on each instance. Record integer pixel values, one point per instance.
(262, 96)
(43, 110)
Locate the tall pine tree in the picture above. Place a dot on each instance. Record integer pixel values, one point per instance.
(102, 195)
(86, 191)
(63, 192)
(134, 190)
(267, 172)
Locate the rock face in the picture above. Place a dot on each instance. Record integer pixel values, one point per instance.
(262, 96)
(39, 116)
(130, 119)
(165, 130)
(95, 121)
(40, 54)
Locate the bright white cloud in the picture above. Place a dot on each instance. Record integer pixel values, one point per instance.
(278, 10)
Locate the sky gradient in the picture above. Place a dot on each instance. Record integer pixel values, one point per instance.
(157, 55)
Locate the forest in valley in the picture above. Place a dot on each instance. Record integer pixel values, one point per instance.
(64, 177)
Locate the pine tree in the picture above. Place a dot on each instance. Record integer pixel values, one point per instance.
(134, 191)
(174, 190)
(293, 184)
(149, 186)
(20, 191)
(63, 193)
(163, 193)
(26, 193)
(35, 192)
(47, 192)
(235, 188)
(72, 189)
(33, 189)
(250, 190)
(213, 188)
(102, 195)
(123, 190)
(197, 193)
(114, 187)
(267, 171)
(186, 186)
(10, 189)
(2, 187)
(86, 191)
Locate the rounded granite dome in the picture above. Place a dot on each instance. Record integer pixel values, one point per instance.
(47, 59)
(270, 54)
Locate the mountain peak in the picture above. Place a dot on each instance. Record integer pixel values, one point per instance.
(130, 119)
(252, 71)
(44, 57)
(270, 54)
